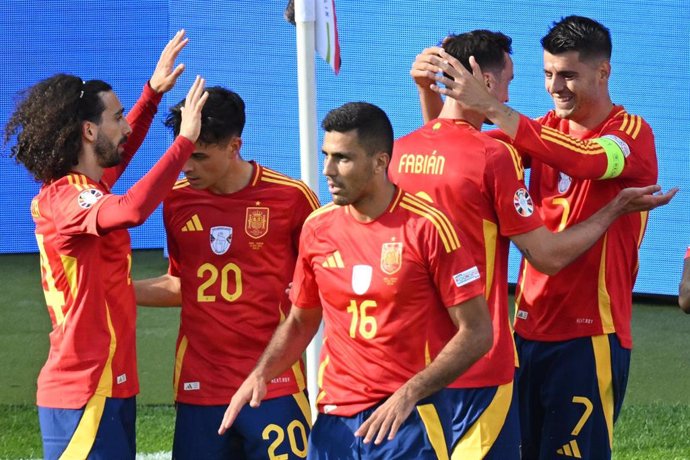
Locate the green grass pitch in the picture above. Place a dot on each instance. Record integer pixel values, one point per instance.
(654, 424)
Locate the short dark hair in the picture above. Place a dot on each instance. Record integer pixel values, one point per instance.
(48, 121)
(221, 118)
(488, 48)
(374, 129)
(578, 33)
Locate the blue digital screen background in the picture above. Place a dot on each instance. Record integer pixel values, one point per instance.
(248, 47)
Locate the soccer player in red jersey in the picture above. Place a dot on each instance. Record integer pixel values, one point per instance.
(73, 137)
(572, 328)
(449, 158)
(233, 230)
(377, 264)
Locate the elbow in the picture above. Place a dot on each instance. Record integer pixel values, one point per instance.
(684, 300)
(485, 338)
(548, 266)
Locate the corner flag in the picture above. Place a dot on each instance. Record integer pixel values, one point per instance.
(325, 29)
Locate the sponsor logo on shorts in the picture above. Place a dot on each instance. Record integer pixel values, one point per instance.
(469, 275)
(121, 378)
(89, 197)
(191, 386)
(521, 314)
(523, 203)
(329, 408)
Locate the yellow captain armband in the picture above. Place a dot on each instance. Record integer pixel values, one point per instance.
(616, 152)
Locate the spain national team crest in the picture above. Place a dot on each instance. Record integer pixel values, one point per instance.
(256, 223)
(221, 238)
(564, 182)
(523, 203)
(391, 257)
(89, 197)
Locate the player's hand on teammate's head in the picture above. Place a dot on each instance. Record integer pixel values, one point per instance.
(423, 70)
(166, 73)
(190, 127)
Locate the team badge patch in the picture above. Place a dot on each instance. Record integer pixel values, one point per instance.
(256, 222)
(391, 257)
(523, 203)
(89, 197)
(564, 182)
(361, 278)
(221, 237)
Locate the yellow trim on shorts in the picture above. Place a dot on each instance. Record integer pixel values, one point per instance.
(179, 356)
(434, 430)
(602, 358)
(481, 436)
(85, 435)
(303, 404)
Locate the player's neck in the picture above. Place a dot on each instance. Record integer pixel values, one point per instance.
(452, 110)
(594, 118)
(88, 164)
(237, 178)
(374, 204)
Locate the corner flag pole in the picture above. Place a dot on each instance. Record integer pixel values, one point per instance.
(306, 85)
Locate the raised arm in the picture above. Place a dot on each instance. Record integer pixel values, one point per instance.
(140, 117)
(549, 252)
(422, 71)
(472, 340)
(286, 346)
(134, 207)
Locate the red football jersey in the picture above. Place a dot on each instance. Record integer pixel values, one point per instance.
(593, 295)
(478, 181)
(87, 285)
(379, 283)
(235, 255)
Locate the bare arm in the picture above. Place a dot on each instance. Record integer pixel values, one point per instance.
(286, 346)
(472, 340)
(430, 101)
(163, 291)
(684, 287)
(549, 252)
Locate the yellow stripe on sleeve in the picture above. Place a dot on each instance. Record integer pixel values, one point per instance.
(445, 229)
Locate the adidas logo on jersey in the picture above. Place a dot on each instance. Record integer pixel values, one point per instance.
(191, 386)
(570, 449)
(193, 225)
(333, 261)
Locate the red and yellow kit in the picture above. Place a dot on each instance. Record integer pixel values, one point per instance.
(478, 181)
(378, 284)
(85, 272)
(235, 255)
(593, 295)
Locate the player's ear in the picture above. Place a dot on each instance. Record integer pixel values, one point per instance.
(236, 144)
(605, 69)
(381, 161)
(88, 130)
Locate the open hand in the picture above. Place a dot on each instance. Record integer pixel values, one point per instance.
(165, 75)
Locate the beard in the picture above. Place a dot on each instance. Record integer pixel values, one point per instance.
(107, 152)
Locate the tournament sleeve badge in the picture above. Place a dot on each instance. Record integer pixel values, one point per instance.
(523, 203)
(221, 238)
(256, 222)
(89, 197)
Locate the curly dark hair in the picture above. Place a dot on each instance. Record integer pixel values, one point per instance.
(47, 123)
